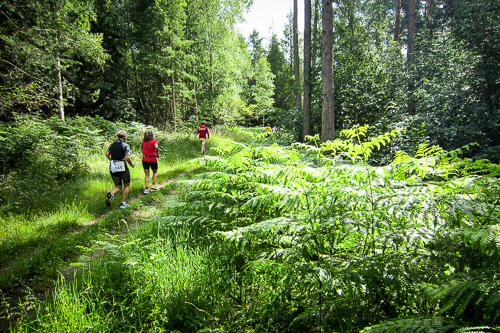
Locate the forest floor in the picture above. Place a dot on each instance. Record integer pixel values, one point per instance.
(20, 300)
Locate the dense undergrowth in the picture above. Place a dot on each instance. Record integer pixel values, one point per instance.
(302, 238)
(54, 177)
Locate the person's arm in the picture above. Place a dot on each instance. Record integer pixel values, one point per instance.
(108, 155)
(208, 134)
(157, 150)
(127, 155)
(129, 160)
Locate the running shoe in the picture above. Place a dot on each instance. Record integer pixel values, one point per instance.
(109, 199)
(154, 188)
(123, 205)
(146, 191)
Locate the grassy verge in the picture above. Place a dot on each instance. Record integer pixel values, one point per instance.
(36, 244)
(283, 239)
(36, 247)
(31, 242)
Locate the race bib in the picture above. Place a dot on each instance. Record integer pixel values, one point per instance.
(117, 166)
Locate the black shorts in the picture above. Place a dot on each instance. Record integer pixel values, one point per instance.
(119, 177)
(146, 165)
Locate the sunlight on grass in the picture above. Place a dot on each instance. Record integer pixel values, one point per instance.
(72, 214)
(166, 270)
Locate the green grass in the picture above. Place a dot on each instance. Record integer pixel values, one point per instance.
(162, 276)
(278, 239)
(61, 222)
(48, 234)
(274, 239)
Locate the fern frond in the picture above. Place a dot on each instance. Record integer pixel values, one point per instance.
(476, 329)
(311, 317)
(485, 239)
(428, 324)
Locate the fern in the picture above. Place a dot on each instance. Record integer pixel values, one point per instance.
(476, 329)
(360, 243)
(485, 239)
(427, 324)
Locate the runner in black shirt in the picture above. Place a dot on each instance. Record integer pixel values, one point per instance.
(118, 155)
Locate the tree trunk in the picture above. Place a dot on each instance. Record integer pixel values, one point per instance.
(314, 53)
(60, 91)
(307, 69)
(398, 21)
(411, 55)
(174, 111)
(428, 19)
(296, 54)
(328, 112)
(411, 30)
(137, 85)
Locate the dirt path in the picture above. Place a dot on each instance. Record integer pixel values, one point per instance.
(9, 299)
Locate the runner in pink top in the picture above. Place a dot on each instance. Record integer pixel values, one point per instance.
(204, 136)
(149, 159)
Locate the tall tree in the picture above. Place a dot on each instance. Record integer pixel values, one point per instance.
(411, 55)
(315, 48)
(397, 23)
(328, 112)
(42, 43)
(218, 72)
(284, 96)
(306, 130)
(428, 18)
(287, 43)
(263, 89)
(410, 51)
(296, 63)
(257, 48)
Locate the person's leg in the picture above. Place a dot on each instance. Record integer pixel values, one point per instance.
(202, 141)
(146, 180)
(116, 189)
(126, 189)
(118, 186)
(155, 174)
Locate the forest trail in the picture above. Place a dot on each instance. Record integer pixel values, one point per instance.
(132, 200)
(68, 272)
(25, 289)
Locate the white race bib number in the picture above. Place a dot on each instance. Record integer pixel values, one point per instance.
(117, 166)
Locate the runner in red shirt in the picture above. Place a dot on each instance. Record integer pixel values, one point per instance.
(150, 159)
(204, 136)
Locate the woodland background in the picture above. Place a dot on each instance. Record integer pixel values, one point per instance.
(375, 224)
(431, 66)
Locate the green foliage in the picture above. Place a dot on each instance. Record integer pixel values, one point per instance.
(41, 40)
(369, 67)
(351, 147)
(363, 241)
(283, 76)
(277, 238)
(40, 157)
(263, 89)
(415, 324)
